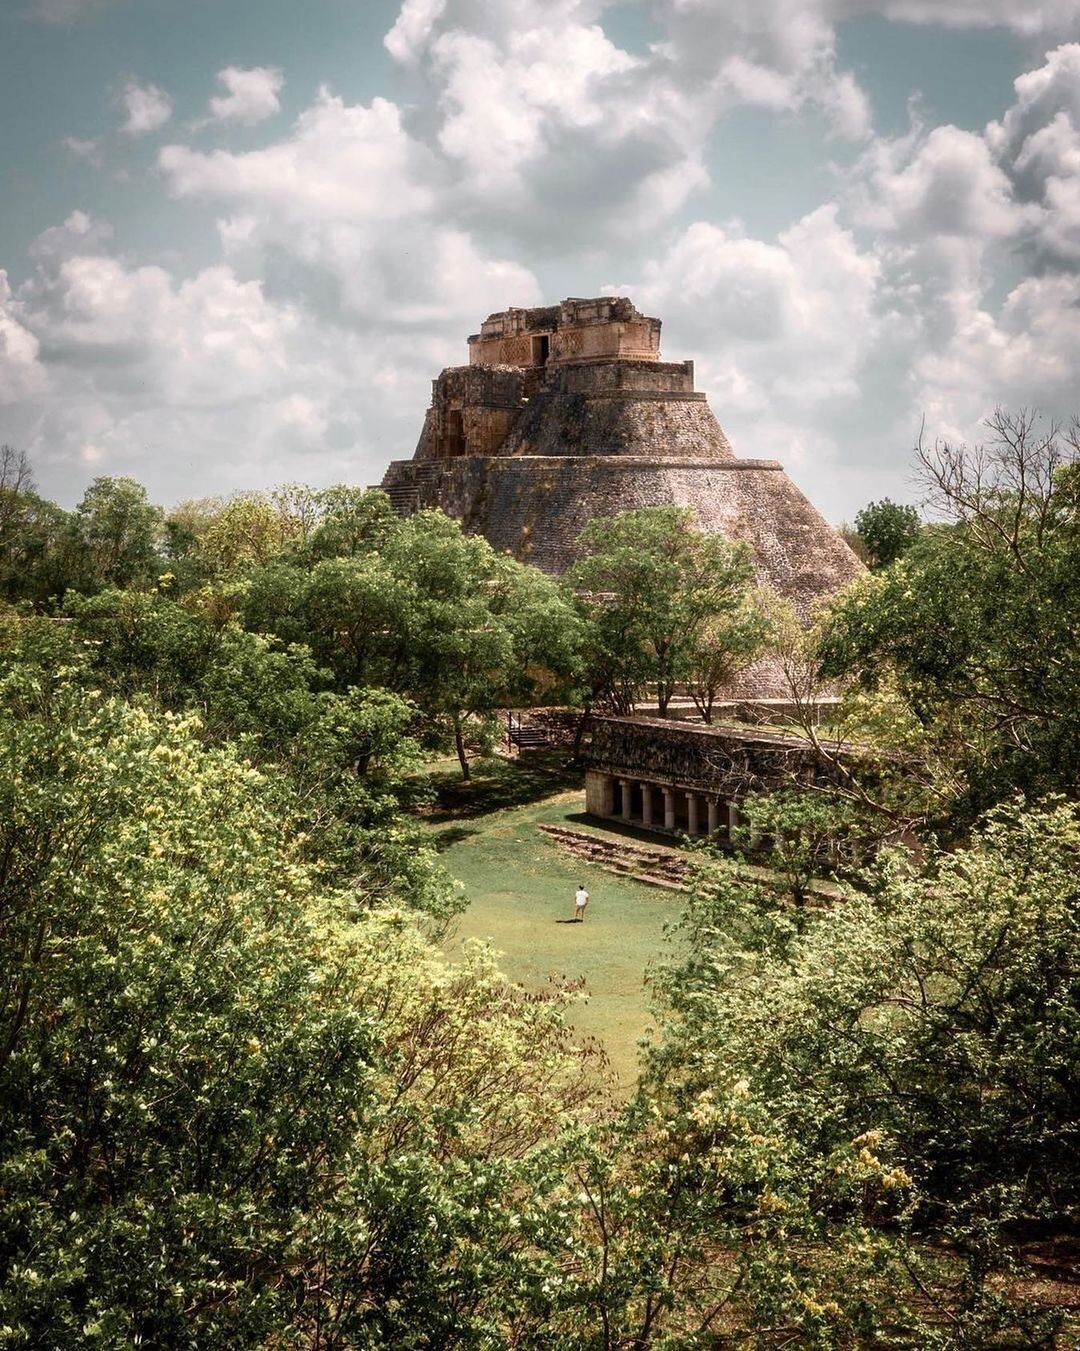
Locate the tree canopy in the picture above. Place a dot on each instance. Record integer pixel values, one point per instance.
(664, 603)
(247, 1101)
(975, 627)
(887, 530)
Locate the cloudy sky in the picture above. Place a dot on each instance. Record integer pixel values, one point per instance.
(240, 237)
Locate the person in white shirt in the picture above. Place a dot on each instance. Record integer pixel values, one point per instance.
(581, 900)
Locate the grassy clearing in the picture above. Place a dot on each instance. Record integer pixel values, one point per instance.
(520, 889)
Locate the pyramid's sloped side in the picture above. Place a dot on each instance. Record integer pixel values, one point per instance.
(798, 552)
(536, 507)
(565, 422)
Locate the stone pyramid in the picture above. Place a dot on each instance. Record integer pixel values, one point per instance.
(565, 413)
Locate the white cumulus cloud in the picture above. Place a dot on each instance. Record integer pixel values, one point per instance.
(1032, 18)
(250, 95)
(936, 274)
(148, 108)
(351, 208)
(21, 372)
(1037, 143)
(341, 161)
(780, 331)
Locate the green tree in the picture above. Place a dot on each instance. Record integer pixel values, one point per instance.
(293, 525)
(232, 1114)
(247, 532)
(117, 536)
(694, 1221)
(887, 530)
(352, 521)
(428, 612)
(163, 1066)
(804, 835)
(725, 644)
(16, 483)
(936, 1016)
(35, 536)
(855, 542)
(184, 528)
(975, 627)
(654, 589)
(481, 630)
(348, 767)
(352, 612)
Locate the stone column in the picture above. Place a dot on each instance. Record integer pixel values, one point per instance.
(669, 808)
(608, 798)
(646, 804)
(713, 808)
(732, 820)
(691, 814)
(625, 799)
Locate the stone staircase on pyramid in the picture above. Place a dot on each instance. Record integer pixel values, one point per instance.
(405, 482)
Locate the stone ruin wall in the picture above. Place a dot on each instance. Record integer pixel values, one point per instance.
(473, 410)
(639, 377)
(659, 424)
(713, 759)
(576, 330)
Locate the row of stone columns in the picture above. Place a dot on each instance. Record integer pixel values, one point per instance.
(714, 809)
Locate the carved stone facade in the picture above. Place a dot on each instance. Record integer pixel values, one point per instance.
(680, 777)
(566, 413)
(605, 329)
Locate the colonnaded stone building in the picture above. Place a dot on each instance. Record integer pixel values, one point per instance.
(566, 413)
(679, 778)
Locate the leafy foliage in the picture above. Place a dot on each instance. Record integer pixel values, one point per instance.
(116, 535)
(975, 627)
(937, 1014)
(245, 1103)
(347, 764)
(424, 610)
(230, 1113)
(887, 530)
(664, 603)
(725, 644)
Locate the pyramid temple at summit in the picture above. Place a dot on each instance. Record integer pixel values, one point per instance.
(565, 413)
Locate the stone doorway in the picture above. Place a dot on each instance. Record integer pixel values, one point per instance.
(454, 440)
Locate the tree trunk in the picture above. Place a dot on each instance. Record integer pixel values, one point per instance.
(579, 731)
(459, 746)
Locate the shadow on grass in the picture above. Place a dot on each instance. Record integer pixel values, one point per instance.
(446, 839)
(607, 826)
(499, 783)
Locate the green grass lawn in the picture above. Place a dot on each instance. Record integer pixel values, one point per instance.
(520, 888)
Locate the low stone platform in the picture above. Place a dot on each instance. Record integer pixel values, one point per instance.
(667, 868)
(654, 867)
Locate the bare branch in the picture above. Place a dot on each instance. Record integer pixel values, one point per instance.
(997, 488)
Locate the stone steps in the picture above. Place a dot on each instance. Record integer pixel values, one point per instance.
(404, 499)
(653, 867)
(527, 738)
(405, 481)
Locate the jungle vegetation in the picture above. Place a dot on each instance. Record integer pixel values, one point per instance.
(245, 1101)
